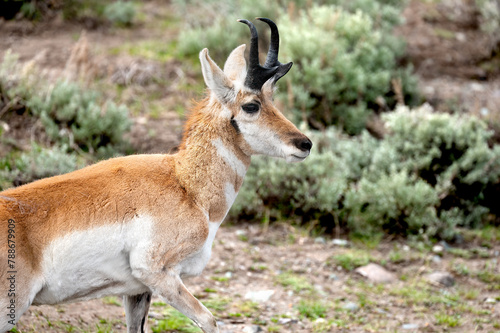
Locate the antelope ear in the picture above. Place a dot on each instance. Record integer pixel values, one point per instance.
(215, 78)
(236, 66)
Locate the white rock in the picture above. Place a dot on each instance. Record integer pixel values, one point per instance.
(409, 326)
(320, 240)
(259, 296)
(240, 232)
(437, 248)
(461, 37)
(376, 273)
(252, 329)
(440, 278)
(340, 242)
(351, 306)
(476, 87)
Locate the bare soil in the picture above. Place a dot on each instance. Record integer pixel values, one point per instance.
(248, 258)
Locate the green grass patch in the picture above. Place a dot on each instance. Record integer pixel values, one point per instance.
(462, 253)
(444, 319)
(217, 304)
(351, 259)
(220, 278)
(294, 282)
(174, 321)
(149, 49)
(312, 309)
(248, 309)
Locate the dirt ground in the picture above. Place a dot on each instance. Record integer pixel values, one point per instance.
(310, 281)
(298, 269)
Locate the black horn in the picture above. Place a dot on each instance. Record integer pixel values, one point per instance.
(257, 75)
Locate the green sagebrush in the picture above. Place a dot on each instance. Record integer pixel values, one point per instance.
(80, 123)
(37, 163)
(344, 53)
(431, 173)
(79, 118)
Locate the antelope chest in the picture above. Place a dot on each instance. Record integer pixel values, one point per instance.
(194, 264)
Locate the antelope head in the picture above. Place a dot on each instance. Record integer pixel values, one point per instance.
(244, 96)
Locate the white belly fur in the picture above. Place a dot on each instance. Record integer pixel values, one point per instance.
(93, 263)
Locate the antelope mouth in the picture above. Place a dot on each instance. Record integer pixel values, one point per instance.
(298, 158)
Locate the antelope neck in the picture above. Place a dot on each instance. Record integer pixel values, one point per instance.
(210, 166)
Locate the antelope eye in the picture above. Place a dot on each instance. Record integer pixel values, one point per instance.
(251, 107)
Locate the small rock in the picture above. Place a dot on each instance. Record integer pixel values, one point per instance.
(259, 296)
(286, 321)
(252, 329)
(351, 306)
(409, 326)
(229, 275)
(333, 277)
(436, 259)
(340, 242)
(320, 240)
(429, 90)
(240, 232)
(484, 111)
(220, 323)
(437, 248)
(440, 278)
(376, 273)
(5, 126)
(490, 300)
(476, 87)
(320, 321)
(445, 245)
(406, 248)
(461, 37)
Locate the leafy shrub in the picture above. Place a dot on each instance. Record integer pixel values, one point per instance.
(75, 116)
(431, 173)
(345, 54)
(208, 23)
(120, 13)
(80, 123)
(71, 115)
(95, 12)
(339, 79)
(489, 11)
(39, 162)
(77, 10)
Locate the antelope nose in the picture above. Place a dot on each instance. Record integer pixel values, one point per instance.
(304, 144)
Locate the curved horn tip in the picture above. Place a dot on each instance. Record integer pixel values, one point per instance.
(247, 22)
(265, 19)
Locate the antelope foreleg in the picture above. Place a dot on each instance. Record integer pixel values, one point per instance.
(173, 292)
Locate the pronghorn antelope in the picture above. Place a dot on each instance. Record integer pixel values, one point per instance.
(135, 225)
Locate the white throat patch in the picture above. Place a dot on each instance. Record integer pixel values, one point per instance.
(234, 162)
